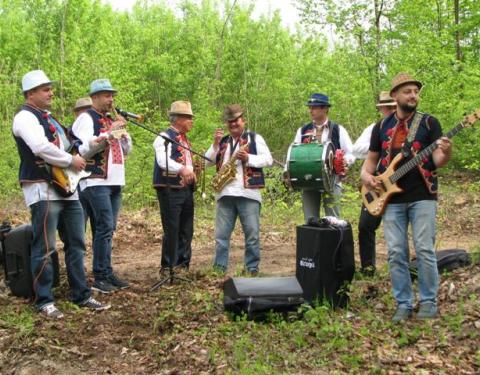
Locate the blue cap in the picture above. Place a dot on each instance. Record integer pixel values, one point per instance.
(317, 100)
(100, 85)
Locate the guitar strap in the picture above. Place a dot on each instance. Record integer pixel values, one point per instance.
(412, 132)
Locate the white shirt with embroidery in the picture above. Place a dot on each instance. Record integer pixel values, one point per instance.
(236, 188)
(173, 166)
(26, 126)
(83, 129)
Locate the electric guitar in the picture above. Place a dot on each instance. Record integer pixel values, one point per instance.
(66, 180)
(376, 202)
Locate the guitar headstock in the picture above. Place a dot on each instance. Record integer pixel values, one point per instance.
(471, 119)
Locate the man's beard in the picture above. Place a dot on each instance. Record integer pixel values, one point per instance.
(407, 107)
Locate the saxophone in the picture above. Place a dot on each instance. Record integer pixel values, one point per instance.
(227, 172)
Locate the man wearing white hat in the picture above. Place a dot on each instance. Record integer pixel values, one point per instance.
(102, 190)
(175, 190)
(368, 224)
(42, 141)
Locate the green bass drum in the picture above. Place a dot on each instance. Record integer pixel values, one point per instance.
(310, 166)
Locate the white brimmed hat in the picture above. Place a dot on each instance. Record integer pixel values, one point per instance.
(34, 79)
(181, 107)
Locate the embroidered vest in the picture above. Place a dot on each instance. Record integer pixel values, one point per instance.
(388, 128)
(98, 164)
(32, 168)
(178, 154)
(253, 178)
(308, 131)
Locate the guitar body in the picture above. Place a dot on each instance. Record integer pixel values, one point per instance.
(66, 180)
(376, 202)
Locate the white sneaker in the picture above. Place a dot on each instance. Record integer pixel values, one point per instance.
(50, 311)
(93, 304)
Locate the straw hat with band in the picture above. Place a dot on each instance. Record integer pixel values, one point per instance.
(385, 100)
(82, 103)
(181, 107)
(232, 112)
(402, 79)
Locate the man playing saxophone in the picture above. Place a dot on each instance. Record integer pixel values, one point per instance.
(240, 157)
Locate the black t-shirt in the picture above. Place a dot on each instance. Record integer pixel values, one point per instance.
(412, 183)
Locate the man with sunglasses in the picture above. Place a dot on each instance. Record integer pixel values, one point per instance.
(322, 129)
(240, 197)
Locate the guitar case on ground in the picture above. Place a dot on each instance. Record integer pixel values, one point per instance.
(447, 260)
(256, 297)
(15, 256)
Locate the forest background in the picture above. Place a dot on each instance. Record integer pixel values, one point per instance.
(214, 53)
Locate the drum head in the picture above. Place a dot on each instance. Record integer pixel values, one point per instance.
(328, 171)
(310, 166)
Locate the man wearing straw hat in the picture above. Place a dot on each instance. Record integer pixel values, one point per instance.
(82, 105)
(240, 197)
(368, 224)
(175, 189)
(102, 190)
(42, 141)
(409, 131)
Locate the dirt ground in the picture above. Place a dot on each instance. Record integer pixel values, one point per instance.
(121, 339)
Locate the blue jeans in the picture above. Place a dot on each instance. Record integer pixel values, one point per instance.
(68, 217)
(104, 203)
(312, 199)
(248, 210)
(421, 215)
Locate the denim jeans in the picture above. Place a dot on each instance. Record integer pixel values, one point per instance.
(248, 210)
(421, 215)
(176, 211)
(104, 204)
(312, 199)
(367, 225)
(67, 215)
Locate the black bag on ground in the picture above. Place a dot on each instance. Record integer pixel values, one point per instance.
(447, 260)
(256, 297)
(15, 249)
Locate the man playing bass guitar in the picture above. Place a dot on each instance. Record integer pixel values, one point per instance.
(409, 131)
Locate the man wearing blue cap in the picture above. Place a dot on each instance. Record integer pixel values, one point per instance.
(102, 190)
(322, 129)
(42, 142)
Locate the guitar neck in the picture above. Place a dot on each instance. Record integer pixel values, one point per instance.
(427, 151)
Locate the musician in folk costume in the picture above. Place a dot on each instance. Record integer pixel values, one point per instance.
(409, 131)
(247, 153)
(42, 142)
(102, 190)
(321, 129)
(175, 190)
(367, 223)
(82, 105)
